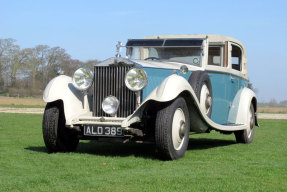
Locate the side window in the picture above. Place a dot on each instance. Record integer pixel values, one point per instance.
(215, 55)
(236, 57)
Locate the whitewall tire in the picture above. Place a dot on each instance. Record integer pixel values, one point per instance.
(172, 130)
(247, 135)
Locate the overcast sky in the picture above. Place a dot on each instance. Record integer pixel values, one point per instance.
(90, 29)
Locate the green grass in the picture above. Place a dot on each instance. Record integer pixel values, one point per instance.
(21, 106)
(213, 162)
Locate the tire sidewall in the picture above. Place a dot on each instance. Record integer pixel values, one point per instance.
(179, 103)
(55, 134)
(250, 139)
(197, 80)
(50, 127)
(242, 135)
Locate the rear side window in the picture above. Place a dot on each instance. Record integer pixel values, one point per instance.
(236, 57)
(214, 55)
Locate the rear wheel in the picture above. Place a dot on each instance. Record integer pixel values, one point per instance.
(247, 135)
(172, 130)
(56, 136)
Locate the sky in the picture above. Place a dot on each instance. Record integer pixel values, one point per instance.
(90, 29)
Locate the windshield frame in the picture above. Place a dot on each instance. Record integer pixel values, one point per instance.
(165, 43)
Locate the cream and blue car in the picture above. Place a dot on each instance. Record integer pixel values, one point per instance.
(164, 89)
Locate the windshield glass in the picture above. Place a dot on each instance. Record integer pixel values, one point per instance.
(189, 55)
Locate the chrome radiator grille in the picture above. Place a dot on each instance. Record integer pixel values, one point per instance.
(111, 81)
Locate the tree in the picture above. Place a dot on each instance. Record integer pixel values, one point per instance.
(7, 50)
(26, 72)
(17, 62)
(273, 103)
(35, 62)
(56, 57)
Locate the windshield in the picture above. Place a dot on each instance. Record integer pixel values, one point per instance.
(169, 50)
(189, 55)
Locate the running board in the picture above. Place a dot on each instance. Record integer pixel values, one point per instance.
(226, 127)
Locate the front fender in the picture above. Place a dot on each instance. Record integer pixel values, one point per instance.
(168, 90)
(75, 102)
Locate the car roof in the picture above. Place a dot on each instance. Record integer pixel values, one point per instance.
(211, 37)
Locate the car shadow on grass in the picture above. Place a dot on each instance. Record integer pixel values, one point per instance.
(109, 149)
(203, 143)
(134, 149)
(118, 149)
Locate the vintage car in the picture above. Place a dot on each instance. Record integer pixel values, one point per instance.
(164, 89)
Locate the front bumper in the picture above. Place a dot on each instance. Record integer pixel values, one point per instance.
(88, 120)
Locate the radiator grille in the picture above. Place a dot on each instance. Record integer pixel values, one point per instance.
(110, 81)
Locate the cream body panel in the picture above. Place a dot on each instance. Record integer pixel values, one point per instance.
(241, 105)
(75, 102)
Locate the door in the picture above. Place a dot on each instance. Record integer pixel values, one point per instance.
(235, 64)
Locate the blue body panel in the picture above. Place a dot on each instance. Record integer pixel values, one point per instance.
(220, 105)
(156, 76)
(224, 87)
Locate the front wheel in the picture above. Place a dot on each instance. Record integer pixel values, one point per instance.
(56, 136)
(172, 130)
(247, 135)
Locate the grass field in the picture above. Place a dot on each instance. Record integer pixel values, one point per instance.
(213, 162)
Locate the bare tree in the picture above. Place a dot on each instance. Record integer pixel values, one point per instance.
(7, 49)
(35, 62)
(26, 72)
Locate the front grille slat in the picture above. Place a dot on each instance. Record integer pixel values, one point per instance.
(110, 81)
(122, 92)
(96, 96)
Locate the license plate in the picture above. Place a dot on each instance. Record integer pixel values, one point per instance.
(106, 130)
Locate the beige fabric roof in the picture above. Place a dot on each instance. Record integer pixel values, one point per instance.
(211, 37)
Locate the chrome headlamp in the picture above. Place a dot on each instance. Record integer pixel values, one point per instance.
(110, 105)
(83, 78)
(136, 79)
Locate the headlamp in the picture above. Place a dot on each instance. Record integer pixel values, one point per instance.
(83, 78)
(136, 79)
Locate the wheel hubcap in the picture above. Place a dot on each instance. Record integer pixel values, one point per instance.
(251, 123)
(182, 129)
(178, 128)
(205, 99)
(208, 102)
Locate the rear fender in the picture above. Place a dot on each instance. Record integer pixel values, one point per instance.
(241, 105)
(75, 102)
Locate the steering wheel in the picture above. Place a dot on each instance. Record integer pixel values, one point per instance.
(152, 58)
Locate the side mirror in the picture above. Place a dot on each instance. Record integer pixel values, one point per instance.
(58, 70)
